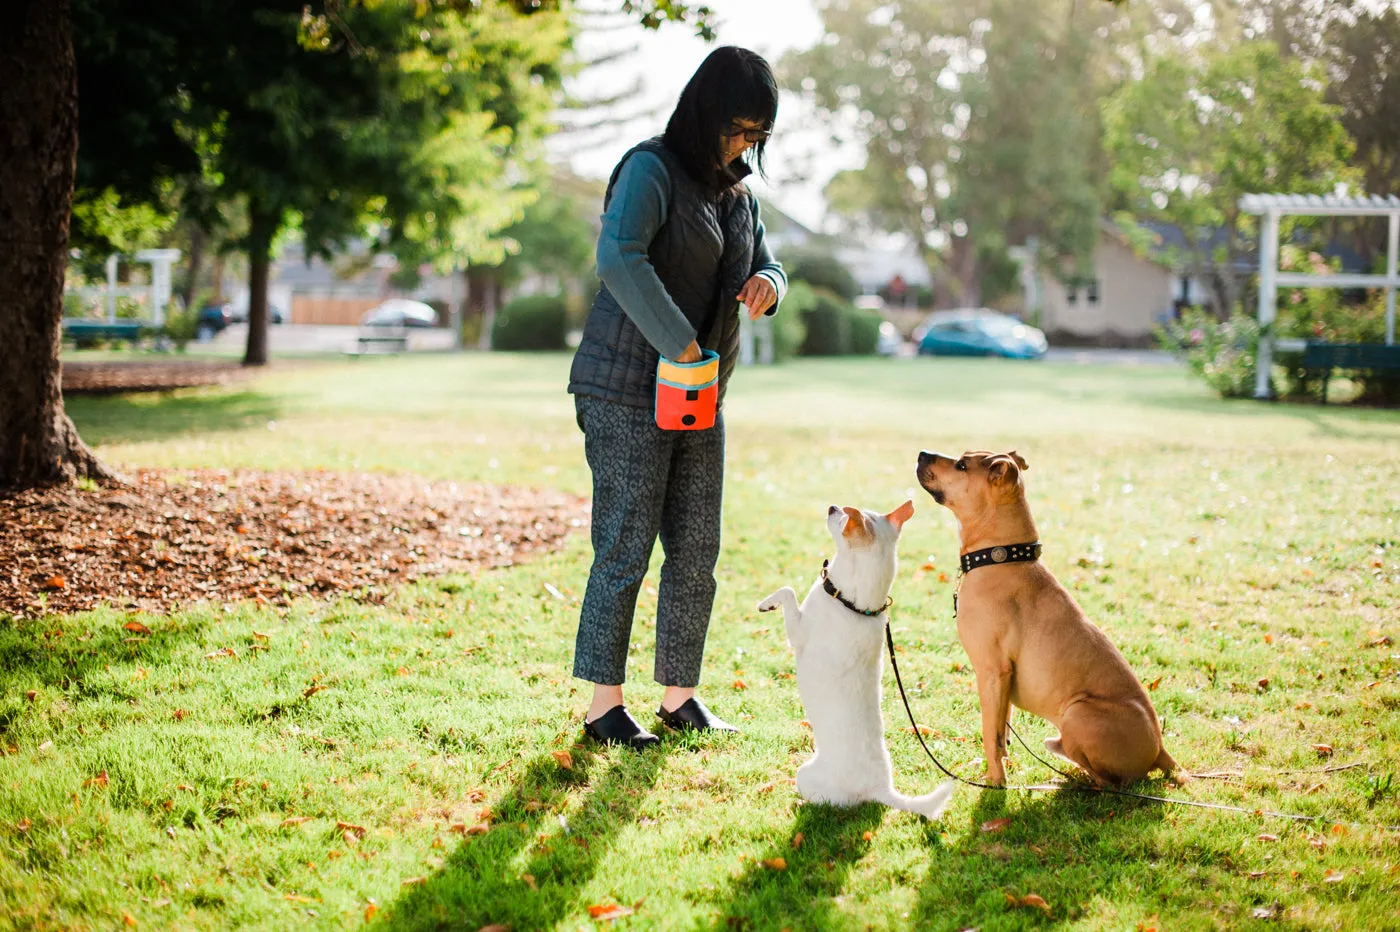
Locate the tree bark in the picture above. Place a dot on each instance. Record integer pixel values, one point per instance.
(191, 290)
(484, 289)
(39, 446)
(262, 227)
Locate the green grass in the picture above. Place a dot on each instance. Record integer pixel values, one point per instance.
(1220, 544)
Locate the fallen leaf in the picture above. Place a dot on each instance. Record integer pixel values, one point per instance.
(1034, 901)
(31, 695)
(1154, 684)
(55, 582)
(1339, 829)
(136, 627)
(23, 825)
(1266, 912)
(480, 828)
(494, 928)
(565, 759)
(1267, 837)
(357, 830)
(350, 837)
(370, 910)
(777, 864)
(1334, 876)
(46, 746)
(797, 840)
(1255, 875)
(867, 836)
(740, 684)
(1323, 750)
(294, 820)
(609, 912)
(401, 671)
(996, 825)
(128, 920)
(410, 881)
(298, 898)
(529, 881)
(458, 828)
(310, 691)
(99, 780)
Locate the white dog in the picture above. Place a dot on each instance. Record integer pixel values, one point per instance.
(838, 636)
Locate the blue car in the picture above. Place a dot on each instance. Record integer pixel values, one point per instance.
(978, 332)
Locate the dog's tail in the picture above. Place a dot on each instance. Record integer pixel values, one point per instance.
(786, 599)
(930, 805)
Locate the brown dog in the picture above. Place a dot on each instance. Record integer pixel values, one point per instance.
(1029, 642)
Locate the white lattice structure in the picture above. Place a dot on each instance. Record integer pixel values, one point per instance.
(1273, 206)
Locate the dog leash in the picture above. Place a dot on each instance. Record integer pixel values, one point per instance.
(1078, 787)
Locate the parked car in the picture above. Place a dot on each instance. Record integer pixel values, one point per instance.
(978, 332)
(400, 312)
(274, 314)
(212, 320)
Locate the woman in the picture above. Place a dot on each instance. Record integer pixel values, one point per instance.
(681, 247)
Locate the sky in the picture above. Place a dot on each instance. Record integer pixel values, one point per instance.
(800, 159)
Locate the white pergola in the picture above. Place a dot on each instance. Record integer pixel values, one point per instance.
(1273, 206)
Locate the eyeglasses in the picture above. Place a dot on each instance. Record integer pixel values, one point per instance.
(750, 135)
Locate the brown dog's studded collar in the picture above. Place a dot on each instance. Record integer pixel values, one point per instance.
(831, 590)
(1010, 553)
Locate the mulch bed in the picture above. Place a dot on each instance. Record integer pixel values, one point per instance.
(170, 538)
(103, 378)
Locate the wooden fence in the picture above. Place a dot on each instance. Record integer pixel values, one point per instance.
(322, 309)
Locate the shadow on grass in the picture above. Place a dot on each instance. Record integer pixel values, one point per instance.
(802, 895)
(1065, 847)
(482, 883)
(139, 418)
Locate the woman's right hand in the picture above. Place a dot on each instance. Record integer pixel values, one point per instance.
(691, 353)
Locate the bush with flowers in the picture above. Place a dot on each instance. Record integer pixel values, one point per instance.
(1224, 353)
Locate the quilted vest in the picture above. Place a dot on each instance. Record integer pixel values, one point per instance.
(703, 254)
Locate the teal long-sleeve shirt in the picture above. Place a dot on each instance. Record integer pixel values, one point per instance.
(639, 205)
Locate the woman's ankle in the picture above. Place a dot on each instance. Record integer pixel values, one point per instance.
(605, 699)
(676, 696)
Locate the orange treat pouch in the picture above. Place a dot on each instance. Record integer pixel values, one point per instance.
(687, 393)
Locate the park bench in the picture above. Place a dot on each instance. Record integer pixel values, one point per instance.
(1358, 357)
(379, 340)
(87, 332)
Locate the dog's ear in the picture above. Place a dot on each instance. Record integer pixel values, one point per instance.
(1020, 461)
(855, 522)
(901, 514)
(1003, 470)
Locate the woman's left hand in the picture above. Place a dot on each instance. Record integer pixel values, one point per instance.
(758, 295)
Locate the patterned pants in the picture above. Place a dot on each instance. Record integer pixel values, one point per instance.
(649, 482)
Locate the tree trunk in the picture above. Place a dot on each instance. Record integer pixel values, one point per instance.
(262, 227)
(191, 290)
(38, 152)
(484, 289)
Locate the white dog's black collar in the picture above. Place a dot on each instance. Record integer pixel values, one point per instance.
(835, 593)
(1010, 553)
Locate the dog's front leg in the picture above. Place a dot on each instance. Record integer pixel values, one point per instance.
(994, 694)
(786, 599)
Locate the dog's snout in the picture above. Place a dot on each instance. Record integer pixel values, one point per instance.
(833, 509)
(925, 457)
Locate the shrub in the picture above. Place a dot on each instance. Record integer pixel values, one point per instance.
(180, 326)
(1223, 353)
(532, 322)
(789, 324)
(837, 328)
(821, 269)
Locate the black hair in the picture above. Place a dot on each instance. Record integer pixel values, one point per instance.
(731, 84)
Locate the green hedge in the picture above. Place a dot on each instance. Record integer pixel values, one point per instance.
(534, 322)
(837, 328)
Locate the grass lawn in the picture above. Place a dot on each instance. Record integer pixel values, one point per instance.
(1245, 558)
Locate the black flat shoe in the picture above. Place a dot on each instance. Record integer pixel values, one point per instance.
(616, 726)
(693, 716)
